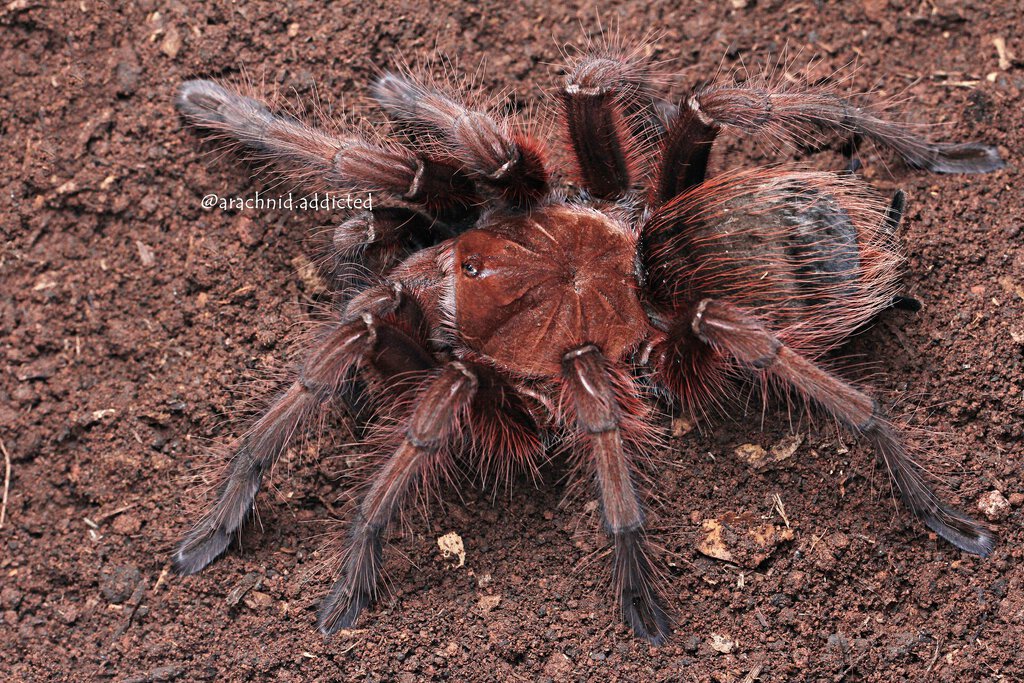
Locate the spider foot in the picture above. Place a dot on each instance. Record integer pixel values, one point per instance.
(200, 547)
(962, 531)
(342, 607)
(212, 105)
(638, 598)
(970, 157)
(645, 614)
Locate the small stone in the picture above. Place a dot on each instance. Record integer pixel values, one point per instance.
(249, 582)
(249, 232)
(741, 540)
(145, 254)
(10, 597)
(118, 583)
(722, 644)
(127, 71)
(40, 369)
(994, 506)
(712, 544)
(681, 427)
(1016, 499)
(171, 44)
(451, 545)
(751, 453)
(489, 603)
(258, 600)
(786, 447)
(780, 451)
(126, 524)
(69, 614)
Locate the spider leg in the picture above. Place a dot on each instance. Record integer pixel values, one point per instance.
(383, 341)
(694, 373)
(733, 332)
(440, 406)
(790, 113)
(597, 95)
(893, 216)
(612, 119)
(599, 417)
(367, 245)
(510, 163)
(321, 160)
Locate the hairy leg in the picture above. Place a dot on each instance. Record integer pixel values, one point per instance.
(596, 99)
(367, 245)
(599, 417)
(440, 408)
(386, 349)
(791, 113)
(510, 163)
(320, 160)
(732, 331)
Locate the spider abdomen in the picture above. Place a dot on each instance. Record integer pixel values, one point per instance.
(805, 251)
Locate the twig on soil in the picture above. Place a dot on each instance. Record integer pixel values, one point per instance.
(935, 657)
(163, 576)
(753, 673)
(107, 515)
(781, 509)
(7, 482)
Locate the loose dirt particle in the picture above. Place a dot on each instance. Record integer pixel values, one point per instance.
(994, 506)
(171, 44)
(489, 603)
(722, 644)
(451, 544)
(145, 254)
(780, 451)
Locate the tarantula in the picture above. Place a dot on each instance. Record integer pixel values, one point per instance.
(503, 310)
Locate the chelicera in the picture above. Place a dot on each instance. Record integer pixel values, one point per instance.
(497, 311)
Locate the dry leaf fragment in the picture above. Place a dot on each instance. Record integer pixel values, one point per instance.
(751, 452)
(741, 540)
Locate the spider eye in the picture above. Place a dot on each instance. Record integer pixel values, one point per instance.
(470, 268)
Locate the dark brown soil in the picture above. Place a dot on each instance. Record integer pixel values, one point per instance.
(133, 323)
